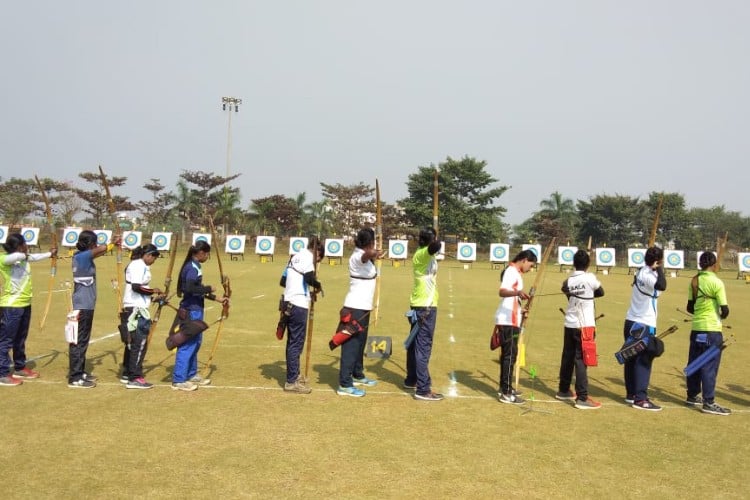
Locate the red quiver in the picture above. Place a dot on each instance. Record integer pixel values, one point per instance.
(347, 327)
(588, 345)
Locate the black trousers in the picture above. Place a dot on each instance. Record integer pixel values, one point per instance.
(353, 350)
(77, 352)
(508, 354)
(572, 360)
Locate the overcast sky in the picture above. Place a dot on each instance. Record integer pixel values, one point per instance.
(584, 97)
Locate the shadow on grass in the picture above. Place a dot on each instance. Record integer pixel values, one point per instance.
(274, 371)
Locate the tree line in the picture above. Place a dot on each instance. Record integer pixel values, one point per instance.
(468, 204)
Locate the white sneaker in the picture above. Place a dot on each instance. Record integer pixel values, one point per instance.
(184, 386)
(198, 380)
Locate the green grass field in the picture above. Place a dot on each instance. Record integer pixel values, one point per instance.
(243, 437)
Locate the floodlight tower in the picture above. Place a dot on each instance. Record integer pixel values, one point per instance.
(229, 104)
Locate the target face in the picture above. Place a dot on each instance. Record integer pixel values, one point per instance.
(72, 237)
(674, 259)
(131, 240)
(236, 244)
(201, 238)
(298, 245)
(606, 256)
(466, 251)
(264, 244)
(3, 234)
(499, 252)
(567, 255)
(28, 235)
(333, 247)
(398, 249)
(638, 258)
(102, 238)
(746, 261)
(160, 241)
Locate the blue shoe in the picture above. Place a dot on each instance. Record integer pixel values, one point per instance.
(350, 391)
(365, 381)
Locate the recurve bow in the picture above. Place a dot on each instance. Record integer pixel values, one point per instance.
(53, 248)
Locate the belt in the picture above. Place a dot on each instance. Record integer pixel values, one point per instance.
(424, 308)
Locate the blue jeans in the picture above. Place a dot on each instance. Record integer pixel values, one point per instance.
(419, 352)
(704, 380)
(295, 341)
(186, 359)
(14, 329)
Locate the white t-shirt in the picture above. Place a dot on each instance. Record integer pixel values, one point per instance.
(361, 282)
(643, 298)
(581, 311)
(139, 273)
(296, 290)
(510, 309)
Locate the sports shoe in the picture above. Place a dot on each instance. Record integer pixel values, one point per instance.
(350, 391)
(10, 381)
(715, 409)
(364, 381)
(297, 386)
(646, 405)
(694, 401)
(139, 383)
(629, 400)
(587, 404)
(510, 399)
(198, 380)
(184, 386)
(565, 396)
(124, 379)
(81, 384)
(90, 377)
(430, 396)
(25, 373)
(516, 392)
(407, 385)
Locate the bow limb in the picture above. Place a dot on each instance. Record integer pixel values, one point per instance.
(655, 226)
(227, 294)
(379, 262)
(311, 313)
(53, 249)
(117, 235)
(435, 204)
(542, 266)
(165, 300)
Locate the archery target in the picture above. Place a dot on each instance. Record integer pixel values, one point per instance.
(201, 237)
(162, 241)
(636, 257)
(103, 236)
(537, 249)
(235, 243)
(499, 252)
(3, 233)
(297, 244)
(397, 249)
(605, 257)
(70, 236)
(334, 247)
(565, 255)
(467, 251)
(30, 235)
(131, 239)
(265, 245)
(674, 259)
(743, 259)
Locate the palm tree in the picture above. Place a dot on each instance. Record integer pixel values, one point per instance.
(559, 216)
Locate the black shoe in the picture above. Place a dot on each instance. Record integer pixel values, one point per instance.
(431, 396)
(510, 399)
(694, 401)
(715, 409)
